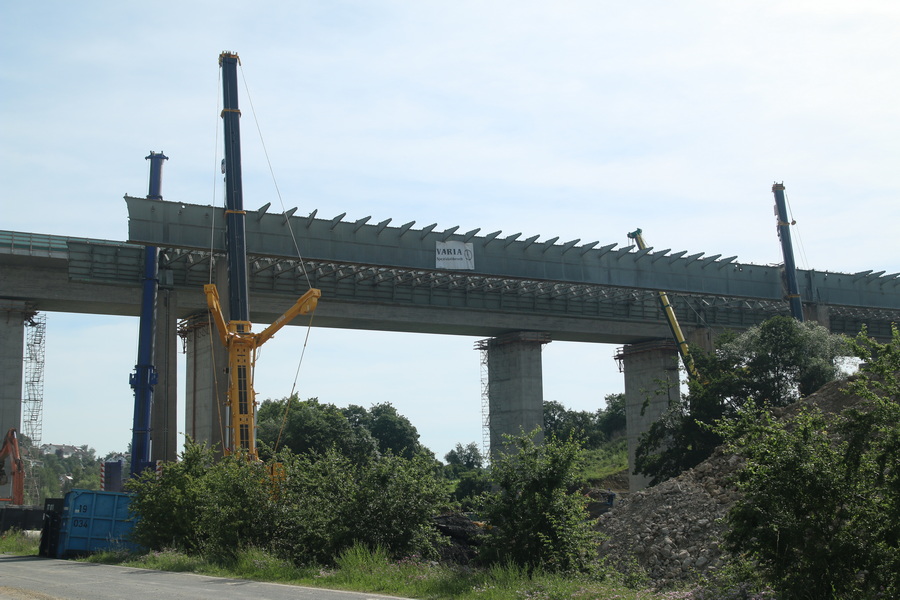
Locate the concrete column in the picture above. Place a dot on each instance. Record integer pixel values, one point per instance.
(12, 349)
(820, 313)
(700, 337)
(163, 419)
(206, 381)
(651, 376)
(12, 359)
(515, 385)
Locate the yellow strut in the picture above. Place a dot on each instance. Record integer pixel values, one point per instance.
(241, 345)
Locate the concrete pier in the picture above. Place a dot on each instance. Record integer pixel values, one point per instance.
(206, 382)
(164, 414)
(515, 385)
(12, 347)
(651, 376)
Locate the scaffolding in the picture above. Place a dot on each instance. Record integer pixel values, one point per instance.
(33, 398)
(482, 347)
(33, 401)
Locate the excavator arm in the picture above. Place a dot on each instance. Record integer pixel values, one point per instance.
(10, 448)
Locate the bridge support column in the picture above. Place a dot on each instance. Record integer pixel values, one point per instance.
(12, 347)
(515, 385)
(163, 423)
(12, 359)
(651, 375)
(206, 381)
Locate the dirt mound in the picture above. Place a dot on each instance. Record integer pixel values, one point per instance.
(673, 530)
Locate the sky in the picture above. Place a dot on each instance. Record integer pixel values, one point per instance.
(578, 119)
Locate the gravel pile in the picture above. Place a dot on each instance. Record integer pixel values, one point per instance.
(673, 530)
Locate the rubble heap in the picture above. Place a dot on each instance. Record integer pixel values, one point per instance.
(673, 531)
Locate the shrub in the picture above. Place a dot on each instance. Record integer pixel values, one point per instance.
(536, 520)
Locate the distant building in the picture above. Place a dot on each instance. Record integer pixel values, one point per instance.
(60, 450)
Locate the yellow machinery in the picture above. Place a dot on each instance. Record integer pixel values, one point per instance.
(242, 346)
(683, 349)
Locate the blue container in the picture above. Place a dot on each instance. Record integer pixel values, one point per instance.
(93, 521)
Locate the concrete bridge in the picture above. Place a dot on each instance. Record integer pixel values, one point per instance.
(516, 294)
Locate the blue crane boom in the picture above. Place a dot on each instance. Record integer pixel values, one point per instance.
(144, 377)
(787, 249)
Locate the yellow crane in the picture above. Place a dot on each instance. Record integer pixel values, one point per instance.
(242, 346)
(666, 305)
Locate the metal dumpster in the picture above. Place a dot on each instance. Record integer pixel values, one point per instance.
(94, 521)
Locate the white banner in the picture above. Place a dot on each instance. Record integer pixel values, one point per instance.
(454, 255)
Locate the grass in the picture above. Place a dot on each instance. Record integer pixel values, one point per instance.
(19, 543)
(607, 460)
(363, 570)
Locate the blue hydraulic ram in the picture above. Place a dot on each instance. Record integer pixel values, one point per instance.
(790, 269)
(145, 376)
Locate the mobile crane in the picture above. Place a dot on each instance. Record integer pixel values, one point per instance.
(10, 448)
(235, 334)
(666, 305)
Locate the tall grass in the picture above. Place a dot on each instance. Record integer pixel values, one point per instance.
(13, 541)
(365, 570)
(607, 460)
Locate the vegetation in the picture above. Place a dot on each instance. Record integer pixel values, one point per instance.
(318, 505)
(594, 429)
(13, 541)
(53, 475)
(374, 571)
(820, 511)
(357, 433)
(537, 516)
(770, 365)
(465, 469)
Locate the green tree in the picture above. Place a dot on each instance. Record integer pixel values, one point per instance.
(563, 423)
(820, 510)
(309, 425)
(611, 419)
(537, 521)
(465, 465)
(466, 457)
(771, 365)
(392, 431)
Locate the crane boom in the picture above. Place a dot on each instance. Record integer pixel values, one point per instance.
(666, 305)
(236, 333)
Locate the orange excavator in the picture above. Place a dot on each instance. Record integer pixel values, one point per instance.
(10, 449)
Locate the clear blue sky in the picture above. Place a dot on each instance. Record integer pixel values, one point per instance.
(577, 119)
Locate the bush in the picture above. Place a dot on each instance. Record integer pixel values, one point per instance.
(537, 520)
(320, 505)
(820, 512)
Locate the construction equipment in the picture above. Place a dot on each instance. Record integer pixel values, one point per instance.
(787, 250)
(10, 448)
(666, 305)
(145, 376)
(235, 334)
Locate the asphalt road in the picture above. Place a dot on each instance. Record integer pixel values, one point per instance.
(33, 578)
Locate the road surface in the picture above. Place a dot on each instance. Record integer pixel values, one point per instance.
(33, 578)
